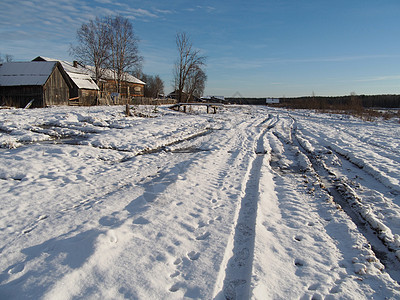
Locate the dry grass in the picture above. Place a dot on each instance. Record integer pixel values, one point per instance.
(352, 107)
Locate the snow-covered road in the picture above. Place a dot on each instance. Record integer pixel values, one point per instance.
(248, 203)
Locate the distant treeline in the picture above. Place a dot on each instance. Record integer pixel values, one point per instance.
(323, 102)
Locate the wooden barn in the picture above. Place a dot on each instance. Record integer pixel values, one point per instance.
(185, 97)
(130, 85)
(84, 90)
(89, 92)
(44, 83)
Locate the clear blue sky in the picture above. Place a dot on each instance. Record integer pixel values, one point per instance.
(257, 48)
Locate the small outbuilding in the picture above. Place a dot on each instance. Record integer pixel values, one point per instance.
(272, 101)
(40, 83)
(130, 85)
(89, 92)
(84, 90)
(185, 97)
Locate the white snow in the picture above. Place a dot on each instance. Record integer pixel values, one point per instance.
(25, 73)
(251, 202)
(78, 74)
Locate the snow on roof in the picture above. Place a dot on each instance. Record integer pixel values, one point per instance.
(89, 70)
(79, 75)
(110, 74)
(83, 81)
(25, 73)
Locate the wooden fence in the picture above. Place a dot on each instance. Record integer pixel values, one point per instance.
(109, 100)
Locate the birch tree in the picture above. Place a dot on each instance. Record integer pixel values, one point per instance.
(93, 46)
(154, 85)
(195, 83)
(189, 60)
(123, 45)
(108, 43)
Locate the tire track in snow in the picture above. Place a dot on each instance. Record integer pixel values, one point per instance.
(378, 235)
(236, 284)
(326, 258)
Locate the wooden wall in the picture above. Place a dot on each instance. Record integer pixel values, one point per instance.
(56, 89)
(128, 89)
(88, 97)
(19, 96)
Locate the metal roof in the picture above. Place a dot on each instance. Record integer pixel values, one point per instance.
(79, 75)
(89, 71)
(25, 73)
(110, 75)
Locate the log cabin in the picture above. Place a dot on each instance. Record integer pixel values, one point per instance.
(39, 83)
(84, 91)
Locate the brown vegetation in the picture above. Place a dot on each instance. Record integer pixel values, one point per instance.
(367, 107)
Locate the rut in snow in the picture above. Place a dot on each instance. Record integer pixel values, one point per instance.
(347, 201)
(238, 271)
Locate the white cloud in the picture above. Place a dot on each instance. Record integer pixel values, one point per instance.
(163, 11)
(104, 1)
(379, 78)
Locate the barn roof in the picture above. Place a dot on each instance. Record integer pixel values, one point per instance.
(89, 71)
(110, 74)
(79, 75)
(25, 73)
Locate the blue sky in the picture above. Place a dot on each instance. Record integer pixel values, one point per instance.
(257, 48)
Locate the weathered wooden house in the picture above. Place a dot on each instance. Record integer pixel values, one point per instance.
(185, 97)
(84, 90)
(44, 83)
(85, 87)
(130, 85)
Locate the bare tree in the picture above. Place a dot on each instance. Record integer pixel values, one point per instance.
(154, 86)
(158, 86)
(124, 53)
(93, 46)
(195, 83)
(188, 60)
(7, 58)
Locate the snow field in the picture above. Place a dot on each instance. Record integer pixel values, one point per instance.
(226, 206)
(373, 192)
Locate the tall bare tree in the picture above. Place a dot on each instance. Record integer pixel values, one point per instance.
(154, 85)
(195, 83)
(189, 60)
(93, 45)
(124, 53)
(7, 58)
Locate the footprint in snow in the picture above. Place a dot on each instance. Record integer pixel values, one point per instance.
(27, 230)
(175, 274)
(193, 255)
(335, 290)
(299, 262)
(298, 238)
(108, 221)
(174, 288)
(194, 215)
(316, 297)
(313, 287)
(42, 217)
(177, 261)
(201, 224)
(141, 221)
(16, 269)
(203, 236)
(188, 227)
